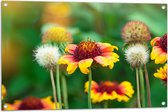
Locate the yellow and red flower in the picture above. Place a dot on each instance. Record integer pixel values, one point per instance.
(159, 50)
(110, 91)
(87, 52)
(162, 73)
(32, 103)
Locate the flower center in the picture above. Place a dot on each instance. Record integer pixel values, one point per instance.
(31, 103)
(108, 87)
(86, 49)
(163, 43)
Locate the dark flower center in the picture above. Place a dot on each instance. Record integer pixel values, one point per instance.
(31, 103)
(108, 87)
(163, 43)
(86, 49)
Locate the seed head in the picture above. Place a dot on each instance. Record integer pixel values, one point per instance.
(136, 55)
(47, 55)
(136, 32)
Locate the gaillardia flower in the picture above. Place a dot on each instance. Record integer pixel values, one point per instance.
(159, 50)
(58, 13)
(3, 91)
(135, 31)
(31, 103)
(162, 73)
(136, 55)
(87, 52)
(110, 91)
(47, 55)
(57, 34)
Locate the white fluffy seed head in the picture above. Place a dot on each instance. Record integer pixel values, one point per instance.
(136, 55)
(47, 55)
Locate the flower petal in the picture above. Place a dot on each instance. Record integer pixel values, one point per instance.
(94, 85)
(65, 59)
(13, 106)
(48, 104)
(127, 90)
(72, 67)
(101, 60)
(155, 40)
(155, 52)
(163, 58)
(84, 64)
(106, 47)
(71, 48)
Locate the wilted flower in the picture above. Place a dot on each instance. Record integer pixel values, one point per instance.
(87, 52)
(135, 31)
(162, 73)
(110, 91)
(3, 91)
(47, 55)
(57, 34)
(32, 103)
(136, 55)
(159, 50)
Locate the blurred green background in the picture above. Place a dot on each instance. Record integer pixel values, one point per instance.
(23, 24)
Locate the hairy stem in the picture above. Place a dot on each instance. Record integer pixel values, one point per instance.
(147, 85)
(105, 104)
(53, 87)
(138, 89)
(89, 91)
(64, 92)
(58, 86)
(142, 86)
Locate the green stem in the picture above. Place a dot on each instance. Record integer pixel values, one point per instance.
(138, 89)
(53, 87)
(64, 92)
(142, 86)
(147, 85)
(58, 86)
(89, 92)
(105, 104)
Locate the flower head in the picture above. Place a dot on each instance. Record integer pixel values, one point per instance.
(110, 91)
(47, 55)
(135, 31)
(57, 34)
(32, 103)
(58, 13)
(162, 73)
(136, 55)
(3, 92)
(159, 50)
(87, 52)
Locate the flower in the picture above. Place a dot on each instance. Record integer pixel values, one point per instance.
(47, 55)
(87, 52)
(135, 31)
(32, 103)
(159, 50)
(57, 34)
(110, 91)
(3, 92)
(162, 73)
(136, 55)
(58, 13)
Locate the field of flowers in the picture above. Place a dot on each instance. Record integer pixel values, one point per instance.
(58, 55)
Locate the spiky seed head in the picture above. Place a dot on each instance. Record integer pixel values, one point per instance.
(135, 32)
